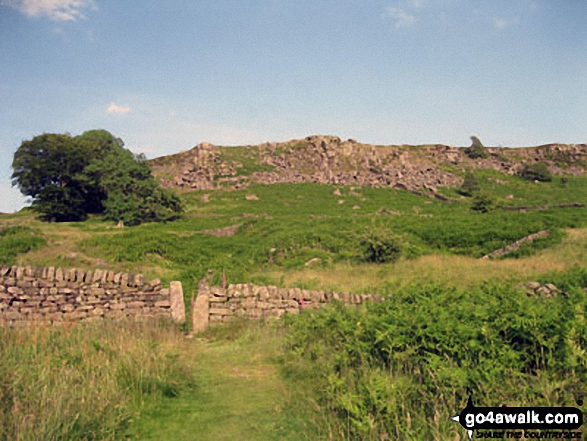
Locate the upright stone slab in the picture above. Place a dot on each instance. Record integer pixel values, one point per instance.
(177, 304)
(201, 308)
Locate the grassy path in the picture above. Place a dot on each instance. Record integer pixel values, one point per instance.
(239, 395)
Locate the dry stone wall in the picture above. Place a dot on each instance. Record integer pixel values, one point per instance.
(215, 304)
(55, 295)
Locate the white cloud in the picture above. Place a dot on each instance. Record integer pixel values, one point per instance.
(401, 17)
(502, 23)
(57, 10)
(114, 109)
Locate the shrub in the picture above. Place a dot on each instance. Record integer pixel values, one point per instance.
(470, 184)
(483, 202)
(535, 172)
(476, 150)
(380, 246)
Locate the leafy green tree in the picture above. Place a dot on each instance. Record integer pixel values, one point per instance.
(477, 150)
(48, 169)
(470, 184)
(69, 178)
(535, 172)
(133, 194)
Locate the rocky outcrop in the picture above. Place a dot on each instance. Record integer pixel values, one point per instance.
(330, 160)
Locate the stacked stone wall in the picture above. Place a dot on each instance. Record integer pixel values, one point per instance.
(217, 305)
(57, 295)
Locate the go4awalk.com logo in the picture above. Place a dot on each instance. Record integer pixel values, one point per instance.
(521, 422)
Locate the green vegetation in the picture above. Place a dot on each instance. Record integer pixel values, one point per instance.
(17, 240)
(535, 172)
(240, 393)
(477, 150)
(87, 382)
(379, 246)
(400, 369)
(69, 178)
(470, 184)
(248, 159)
(483, 202)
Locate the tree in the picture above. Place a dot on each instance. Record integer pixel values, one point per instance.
(477, 150)
(69, 178)
(48, 169)
(470, 184)
(133, 194)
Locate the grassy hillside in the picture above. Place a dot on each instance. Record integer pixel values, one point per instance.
(395, 370)
(267, 234)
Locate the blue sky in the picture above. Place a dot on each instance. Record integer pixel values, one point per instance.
(165, 76)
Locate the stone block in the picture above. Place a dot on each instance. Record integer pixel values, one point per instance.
(124, 279)
(135, 305)
(67, 308)
(177, 302)
(155, 282)
(220, 311)
(15, 291)
(97, 276)
(201, 312)
(97, 291)
(59, 275)
(140, 280)
(163, 304)
(20, 272)
(117, 306)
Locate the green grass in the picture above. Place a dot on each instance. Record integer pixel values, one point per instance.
(86, 382)
(240, 393)
(17, 240)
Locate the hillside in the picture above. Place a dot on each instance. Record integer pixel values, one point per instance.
(329, 160)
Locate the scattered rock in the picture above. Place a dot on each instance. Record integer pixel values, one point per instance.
(356, 207)
(205, 198)
(336, 192)
(341, 201)
(533, 285)
(313, 261)
(252, 197)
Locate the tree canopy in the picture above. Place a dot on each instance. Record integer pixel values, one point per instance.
(71, 177)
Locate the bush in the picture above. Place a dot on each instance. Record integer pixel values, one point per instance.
(477, 150)
(470, 184)
(535, 172)
(483, 202)
(380, 246)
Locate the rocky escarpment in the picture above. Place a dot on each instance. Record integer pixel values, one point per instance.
(329, 160)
